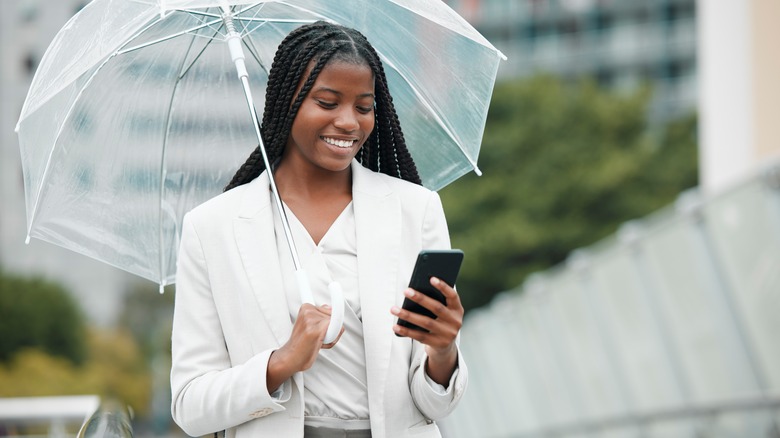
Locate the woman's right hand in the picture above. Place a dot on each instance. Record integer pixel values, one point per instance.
(301, 350)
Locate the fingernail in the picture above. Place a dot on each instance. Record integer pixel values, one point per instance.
(435, 281)
(326, 306)
(409, 292)
(394, 310)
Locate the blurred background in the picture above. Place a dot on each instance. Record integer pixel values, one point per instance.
(622, 271)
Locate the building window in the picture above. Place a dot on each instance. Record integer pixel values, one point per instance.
(605, 77)
(30, 63)
(28, 12)
(602, 19)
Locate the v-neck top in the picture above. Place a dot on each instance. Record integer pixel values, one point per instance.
(335, 387)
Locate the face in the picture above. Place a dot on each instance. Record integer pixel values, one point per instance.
(334, 119)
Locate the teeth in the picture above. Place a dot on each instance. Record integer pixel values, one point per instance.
(338, 143)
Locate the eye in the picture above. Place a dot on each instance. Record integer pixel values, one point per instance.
(365, 109)
(325, 104)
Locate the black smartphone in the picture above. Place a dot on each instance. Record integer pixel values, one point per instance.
(442, 264)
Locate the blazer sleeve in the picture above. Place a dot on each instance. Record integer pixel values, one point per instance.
(433, 404)
(209, 393)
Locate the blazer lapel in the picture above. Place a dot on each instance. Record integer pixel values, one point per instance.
(256, 242)
(378, 234)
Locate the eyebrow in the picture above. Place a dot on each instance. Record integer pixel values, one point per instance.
(331, 90)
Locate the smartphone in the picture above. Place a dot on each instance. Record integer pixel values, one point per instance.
(442, 264)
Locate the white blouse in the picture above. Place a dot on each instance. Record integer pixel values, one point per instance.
(335, 391)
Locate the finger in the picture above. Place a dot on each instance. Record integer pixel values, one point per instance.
(449, 292)
(432, 304)
(435, 339)
(417, 335)
(415, 318)
(330, 345)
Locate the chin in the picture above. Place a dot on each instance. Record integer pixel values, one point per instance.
(337, 165)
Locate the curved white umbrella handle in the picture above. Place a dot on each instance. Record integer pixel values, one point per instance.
(337, 312)
(336, 303)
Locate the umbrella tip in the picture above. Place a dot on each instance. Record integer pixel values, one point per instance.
(477, 171)
(162, 289)
(27, 240)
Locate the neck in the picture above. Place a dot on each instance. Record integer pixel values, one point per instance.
(298, 182)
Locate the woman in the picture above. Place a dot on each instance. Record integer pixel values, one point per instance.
(248, 358)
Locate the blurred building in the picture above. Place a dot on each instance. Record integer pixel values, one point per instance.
(26, 29)
(716, 57)
(620, 43)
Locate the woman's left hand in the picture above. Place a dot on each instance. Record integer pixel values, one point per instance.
(442, 331)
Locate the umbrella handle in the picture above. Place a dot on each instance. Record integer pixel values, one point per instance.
(336, 303)
(337, 312)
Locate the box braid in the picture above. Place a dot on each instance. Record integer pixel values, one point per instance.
(313, 46)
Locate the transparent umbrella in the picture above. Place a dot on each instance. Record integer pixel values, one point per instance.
(135, 114)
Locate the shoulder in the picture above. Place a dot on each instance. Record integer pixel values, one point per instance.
(380, 184)
(226, 205)
(219, 203)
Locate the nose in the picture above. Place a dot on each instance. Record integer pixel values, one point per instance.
(347, 120)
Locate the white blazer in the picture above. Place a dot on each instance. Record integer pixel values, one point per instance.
(231, 313)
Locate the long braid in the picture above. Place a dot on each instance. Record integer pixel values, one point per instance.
(404, 164)
(395, 158)
(308, 49)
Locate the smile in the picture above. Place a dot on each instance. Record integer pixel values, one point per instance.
(338, 143)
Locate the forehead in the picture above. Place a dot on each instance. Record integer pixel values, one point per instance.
(345, 74)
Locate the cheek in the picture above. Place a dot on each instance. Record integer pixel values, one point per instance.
(369, 123)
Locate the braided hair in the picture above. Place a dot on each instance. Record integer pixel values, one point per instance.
(316, 44)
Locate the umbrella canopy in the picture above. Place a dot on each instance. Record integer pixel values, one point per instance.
(135, 114)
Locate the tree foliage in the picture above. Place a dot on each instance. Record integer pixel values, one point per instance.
(114, 370)
(35, 313)
(148, 316)
(47, 349)
(564, 165)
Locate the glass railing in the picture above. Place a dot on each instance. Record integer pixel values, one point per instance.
(84, 416)
(670, 328)
(49, 416)
(111, 420)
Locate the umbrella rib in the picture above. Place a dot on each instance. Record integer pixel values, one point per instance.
(250, 19)
(250, 47)
(273, 20)
(164, 154)
(435, 115)
(237, 15)
(183, 71)
(201, 26)
(166, 38)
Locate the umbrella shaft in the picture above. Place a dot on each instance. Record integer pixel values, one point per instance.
(275, 191)
(237, 54)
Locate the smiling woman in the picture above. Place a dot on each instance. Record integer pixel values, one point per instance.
(248, 356)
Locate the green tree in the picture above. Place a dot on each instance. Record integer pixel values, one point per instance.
(564, 165)
(41, 314)
(148, 315)
(114, 370)
(47, 349)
